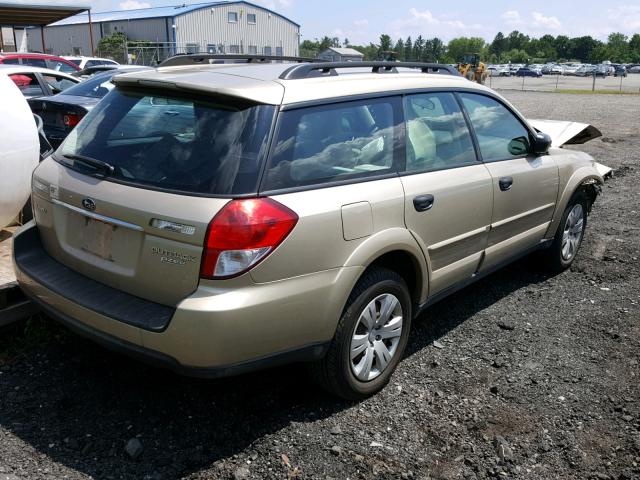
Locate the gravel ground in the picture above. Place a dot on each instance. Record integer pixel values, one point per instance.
(531, 377)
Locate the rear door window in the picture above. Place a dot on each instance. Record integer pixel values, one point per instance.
(437, 134)
(195, 145)
(28, 84)
(336, 142)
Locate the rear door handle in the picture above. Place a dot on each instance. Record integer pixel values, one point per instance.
(422, 203)
(505, 183)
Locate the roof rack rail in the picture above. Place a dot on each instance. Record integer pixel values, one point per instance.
(209, 58)
(297, 72)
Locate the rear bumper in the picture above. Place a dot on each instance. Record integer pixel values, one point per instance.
(214, 332)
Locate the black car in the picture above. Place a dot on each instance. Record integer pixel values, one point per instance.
(61, 113)
(527, 72)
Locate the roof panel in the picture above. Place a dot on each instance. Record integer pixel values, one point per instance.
(15, 14)
(153, 12)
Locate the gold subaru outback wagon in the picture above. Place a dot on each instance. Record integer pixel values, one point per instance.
(218, 218)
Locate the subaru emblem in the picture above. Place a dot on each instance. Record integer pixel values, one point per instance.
(88, 203)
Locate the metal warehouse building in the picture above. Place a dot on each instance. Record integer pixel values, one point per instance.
(215, 27)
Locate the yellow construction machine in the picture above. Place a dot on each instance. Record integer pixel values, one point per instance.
(473, 69)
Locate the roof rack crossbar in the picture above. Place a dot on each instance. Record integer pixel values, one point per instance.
(308, 70)
(210, 58)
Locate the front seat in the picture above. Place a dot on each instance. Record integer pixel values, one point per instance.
(422, 146)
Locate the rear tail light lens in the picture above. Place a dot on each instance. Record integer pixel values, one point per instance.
(244, 233)
(71, 119)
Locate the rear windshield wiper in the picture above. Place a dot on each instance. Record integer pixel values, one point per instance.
(92, 162)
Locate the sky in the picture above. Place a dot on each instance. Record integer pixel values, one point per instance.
(363, 21)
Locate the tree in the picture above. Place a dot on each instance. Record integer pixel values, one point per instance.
(309, 49)
(399, 49)
(327, 42)
(385, 46)
(114, 46)
(460, 46)
(418, 49)
(408, 49)
(634, 48)
(517, 40)
(516, 56)
(499, 45)
(435, 50)
(618, 46)
(581, 47)
(563, 47)
(546, 46)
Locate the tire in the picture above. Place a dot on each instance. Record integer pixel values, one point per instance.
(557, 257)
(337, 371)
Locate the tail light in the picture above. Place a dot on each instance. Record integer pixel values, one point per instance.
(71, 119)
(244, 233)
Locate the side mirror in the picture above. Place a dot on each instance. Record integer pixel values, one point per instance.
(541, 144)
(519, 146)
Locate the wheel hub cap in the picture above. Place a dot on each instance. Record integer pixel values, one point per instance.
(376, 337)
(572, 233)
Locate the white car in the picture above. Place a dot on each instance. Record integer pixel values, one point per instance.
(84, 62)
(19, 152)
(36, 81)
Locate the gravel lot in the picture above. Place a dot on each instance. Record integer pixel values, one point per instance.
(531, 377)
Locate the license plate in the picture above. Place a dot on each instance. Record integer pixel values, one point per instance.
(97, 237)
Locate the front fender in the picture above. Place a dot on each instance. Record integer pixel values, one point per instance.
(583, 175)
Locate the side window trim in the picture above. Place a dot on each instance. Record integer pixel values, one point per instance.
(399, 150)
(454, 93)
(44, 86)
(472, 131)
(519, 118)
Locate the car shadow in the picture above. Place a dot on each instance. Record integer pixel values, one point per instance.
(80, 404)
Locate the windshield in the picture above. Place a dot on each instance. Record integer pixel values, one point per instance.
(96, 87)
(197, 145)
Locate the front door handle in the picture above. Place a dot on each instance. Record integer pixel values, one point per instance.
(505, 183)
(422, 203)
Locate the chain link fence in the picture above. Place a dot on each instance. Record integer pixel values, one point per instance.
(153, 53)
(569, 84)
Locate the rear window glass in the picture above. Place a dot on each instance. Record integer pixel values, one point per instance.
(57, 83)
(60, 66)
(335, 142)
(95, 87)
(207, 146)
(34, 62)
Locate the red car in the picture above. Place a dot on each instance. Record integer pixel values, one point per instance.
(39, 60)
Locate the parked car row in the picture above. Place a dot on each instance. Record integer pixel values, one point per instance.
(60, 99)
(568, 69)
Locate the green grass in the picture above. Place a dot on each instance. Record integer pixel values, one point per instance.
(596, 92)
